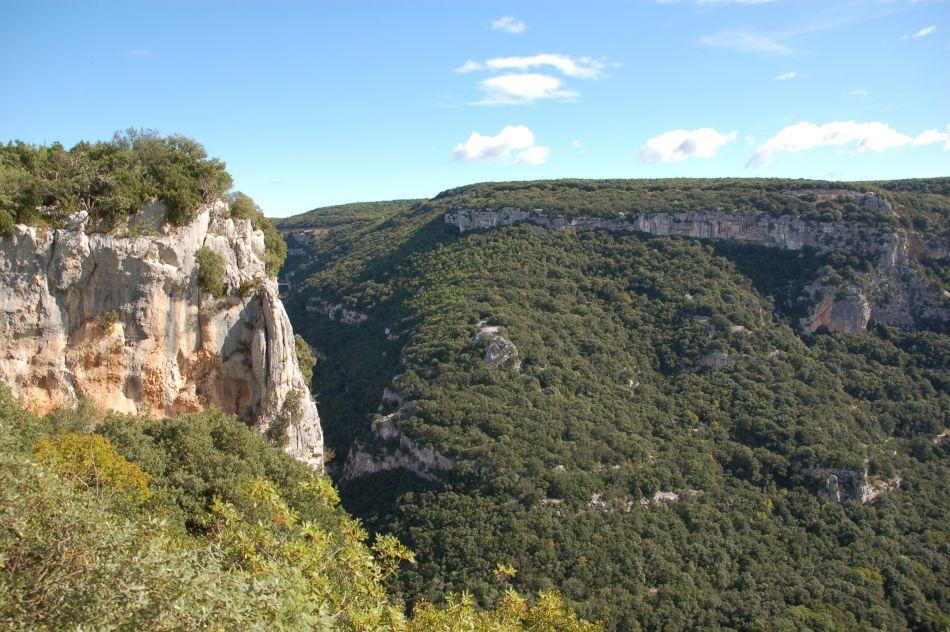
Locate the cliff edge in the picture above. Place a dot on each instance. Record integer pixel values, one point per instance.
(125, 323)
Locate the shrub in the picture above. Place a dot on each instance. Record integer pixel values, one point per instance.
(92, 460)
(248, 287)
(210, 272)
(275, 250)
(108, 319)
(243, 207)
(6, 223)
(277, 552)
(43, 184)
(305, 358)
(289, 415)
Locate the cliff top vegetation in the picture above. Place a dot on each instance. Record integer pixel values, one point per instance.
(921, 204)
(42, 185)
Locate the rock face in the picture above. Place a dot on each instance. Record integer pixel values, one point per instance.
(388, 448)
(895, 293)
(868, 200)
(123, 323)
(842, 484)
(845, 310)
(499, 351)
(336, 312)
(720, 359)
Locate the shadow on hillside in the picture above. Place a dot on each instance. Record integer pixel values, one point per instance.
(356, 362)
(373, 498)
(780, 275)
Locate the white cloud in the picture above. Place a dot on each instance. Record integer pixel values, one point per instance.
(523, 88)
(930, 136)
(469, 66)
(785, 76)
(518, 86)
(532, 156)
(745, 42)
(680, 144)
(509, 24)
(859, 92)
(514, 144)
(578, 146)
(580, 68)
(874, 136)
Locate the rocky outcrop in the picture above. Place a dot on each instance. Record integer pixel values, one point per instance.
(895, 292)
(123, 323)
(844, 484)
(600, 502)
(846, 310)
(336, 312)
(388, 448)
(720, 359)
(868, 200)
(499, 351)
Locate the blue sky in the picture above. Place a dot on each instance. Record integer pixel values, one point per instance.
(315, 103)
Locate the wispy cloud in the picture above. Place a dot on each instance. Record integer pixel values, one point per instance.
(679, 144)
(924, 32)
(580, 67)
(514, 144)
(859, 92)
(746, 42)
(785, 76)
(509, 24)
(831, 16)
(874, 136)
(578, 146)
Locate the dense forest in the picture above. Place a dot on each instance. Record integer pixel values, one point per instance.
(658, 442)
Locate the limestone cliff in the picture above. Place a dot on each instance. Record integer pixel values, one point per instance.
(122, 322)
(895, 293)
(387, 448)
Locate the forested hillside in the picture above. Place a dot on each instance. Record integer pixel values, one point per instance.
(636, 421)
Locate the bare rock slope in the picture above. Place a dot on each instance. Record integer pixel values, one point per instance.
(122, 322)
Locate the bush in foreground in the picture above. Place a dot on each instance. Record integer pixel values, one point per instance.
(272, 551)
